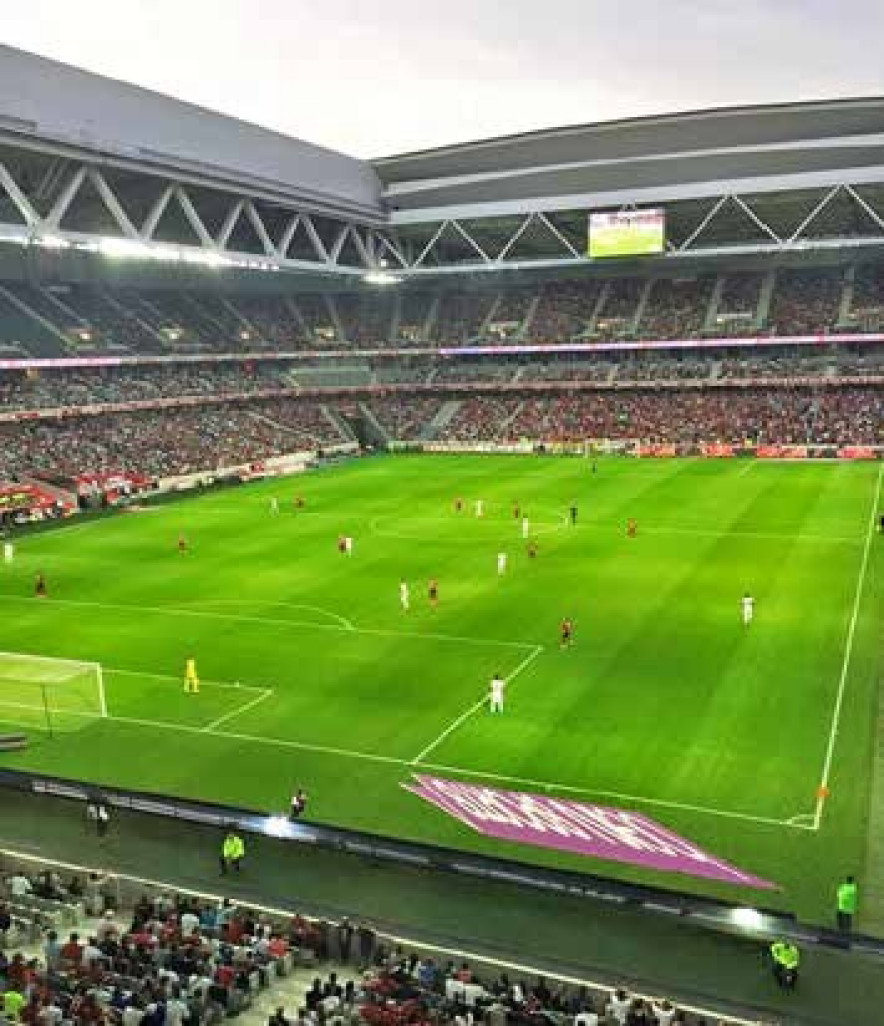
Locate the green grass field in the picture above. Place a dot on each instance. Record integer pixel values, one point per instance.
(313, 675)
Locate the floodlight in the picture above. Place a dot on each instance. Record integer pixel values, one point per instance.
(380, 278)
(748, 918)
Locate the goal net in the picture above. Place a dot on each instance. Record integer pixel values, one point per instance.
(42, 693)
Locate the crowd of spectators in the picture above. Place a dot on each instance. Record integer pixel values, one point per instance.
(770, 415)
(160, 443)
(177, 960)
(92, 318)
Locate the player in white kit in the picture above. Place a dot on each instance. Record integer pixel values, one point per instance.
(480, 508)
(496, 693)
(747, 603)
(501, 564)
(403, 596)
(348, 545)
(526, 527)
(8, 552)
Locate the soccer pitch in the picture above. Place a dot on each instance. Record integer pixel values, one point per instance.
(312, 675)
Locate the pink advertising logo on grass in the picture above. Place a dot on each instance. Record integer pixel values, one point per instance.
(597, 830)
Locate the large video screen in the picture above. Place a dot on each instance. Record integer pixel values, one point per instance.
(627, 233)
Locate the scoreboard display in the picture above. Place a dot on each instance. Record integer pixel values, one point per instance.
(627, 233)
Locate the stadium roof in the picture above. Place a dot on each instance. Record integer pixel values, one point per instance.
(662, 157)
(47, 103)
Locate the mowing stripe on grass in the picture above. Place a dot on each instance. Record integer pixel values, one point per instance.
(347, 753)
(464, 716)
(848, 652)
(205, 614)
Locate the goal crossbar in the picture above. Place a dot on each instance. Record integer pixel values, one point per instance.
(50, 675)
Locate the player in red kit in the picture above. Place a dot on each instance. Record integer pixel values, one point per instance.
(433, 592)
(458, 505)
(182, 543)
(631, 528)
(517, 513)
(40, 587)
(566, 630)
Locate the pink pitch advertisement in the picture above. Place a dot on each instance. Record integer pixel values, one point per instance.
(596, 830)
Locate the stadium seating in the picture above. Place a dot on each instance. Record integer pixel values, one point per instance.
(53, 319)
(83, 950)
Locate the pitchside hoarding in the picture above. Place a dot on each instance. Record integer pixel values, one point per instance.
(600, 831)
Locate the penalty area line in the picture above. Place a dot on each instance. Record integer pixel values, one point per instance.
(130, 607)
(474, 708)
(547, 785)
(239, 710)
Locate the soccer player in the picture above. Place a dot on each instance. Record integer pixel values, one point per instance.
(516, 511)
(40, 586)
(526, 527)
(403, 595)
(566, 633)
(298, 804)
(433, 592)
(495, 697)
(348, 545)
(532, 550)
(342, 544)
(191, 680)
(631, 527)
(8, 552)
(274, 505)
(501, 564)
(480, 508)
(182, 543)
(747, 604)
(458, 505)
(573, 512)
(299, 502)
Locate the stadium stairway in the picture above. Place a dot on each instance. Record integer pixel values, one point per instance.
(444, 415)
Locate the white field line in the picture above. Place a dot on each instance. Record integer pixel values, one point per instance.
(848, 652)
(617, 795)
(536, 527)
(244, 708)
(342, 620)
(820, 539)
(305, 746)
(111, 671)
(206, 614)
(475, 707)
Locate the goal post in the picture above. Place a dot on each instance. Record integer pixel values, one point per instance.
(42, 692)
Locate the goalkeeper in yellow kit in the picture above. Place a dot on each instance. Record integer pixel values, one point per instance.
(191, 680)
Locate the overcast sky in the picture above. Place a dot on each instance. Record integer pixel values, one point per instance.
(375, 77)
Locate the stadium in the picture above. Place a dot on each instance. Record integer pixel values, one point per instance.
(597, 411)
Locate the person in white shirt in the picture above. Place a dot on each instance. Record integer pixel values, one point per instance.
(190, 923)
(480, 508)
(526, 527)
(618, 1006)
(403, 596)
(8, 552)
(501, 564)
(496, 694)
(664, 1012)
(348, 545)
(747, 603)
(20, 886)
